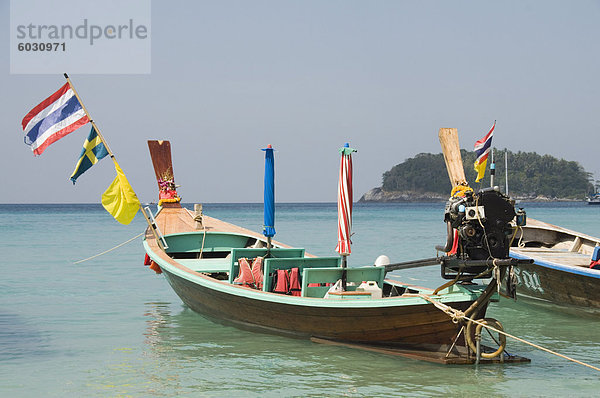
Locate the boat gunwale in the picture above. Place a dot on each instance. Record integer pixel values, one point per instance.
(572, 269)
(542, 225)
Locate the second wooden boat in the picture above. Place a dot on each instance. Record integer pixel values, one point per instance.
(561, 272)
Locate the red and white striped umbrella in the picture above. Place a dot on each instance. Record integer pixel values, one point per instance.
(345, 201)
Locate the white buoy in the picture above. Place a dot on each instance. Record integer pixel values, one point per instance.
(382, 260)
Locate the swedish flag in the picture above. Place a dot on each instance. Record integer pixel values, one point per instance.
(93, 151)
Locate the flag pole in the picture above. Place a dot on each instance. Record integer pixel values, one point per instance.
(506, 169)
(110, 153)
(492, 170)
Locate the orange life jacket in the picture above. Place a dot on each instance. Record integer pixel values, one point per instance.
(295, 289)
(257, 272)
(154, 267)
(245, 275)
(283, 282)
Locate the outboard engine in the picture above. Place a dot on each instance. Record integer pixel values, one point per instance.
(479, 232)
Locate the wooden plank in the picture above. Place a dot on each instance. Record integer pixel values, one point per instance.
(576, 244)
(458, 356)
(555, 256)
(451, 149)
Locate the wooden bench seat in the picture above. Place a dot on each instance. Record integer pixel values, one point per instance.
(271, 266)
(238, 253)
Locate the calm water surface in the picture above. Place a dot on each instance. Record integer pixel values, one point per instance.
(111, 327)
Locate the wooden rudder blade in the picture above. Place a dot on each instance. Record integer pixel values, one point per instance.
(451, 149)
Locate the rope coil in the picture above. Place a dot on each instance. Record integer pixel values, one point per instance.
(459, 315)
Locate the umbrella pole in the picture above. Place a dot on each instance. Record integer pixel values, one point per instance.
(269, 197)
(344, 265)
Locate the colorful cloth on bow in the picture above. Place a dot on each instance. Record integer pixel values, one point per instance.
(482, 150)
(93, 151)
(52, 119)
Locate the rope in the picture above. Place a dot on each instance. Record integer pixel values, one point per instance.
(512, 238)
(521, 237)
(189, 212)
(203, 240)
(457, 315)
(447, 284)
(109, 250)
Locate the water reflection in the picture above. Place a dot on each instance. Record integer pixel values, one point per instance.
(200, 352)
(196, 354)
(552, 328)
(21, 338)
(156, 319)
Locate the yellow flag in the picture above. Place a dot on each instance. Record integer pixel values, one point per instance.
(119, 199)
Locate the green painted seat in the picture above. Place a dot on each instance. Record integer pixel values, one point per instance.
(209, 242)
(331, 275)
(273, 264)
(249, 252)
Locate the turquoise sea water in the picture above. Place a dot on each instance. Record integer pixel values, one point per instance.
(111, 327)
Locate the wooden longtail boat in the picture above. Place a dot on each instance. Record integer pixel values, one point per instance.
(561, 272)
(200, 256)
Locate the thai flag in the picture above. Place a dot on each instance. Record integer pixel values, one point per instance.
(482, 150)
(56, 116)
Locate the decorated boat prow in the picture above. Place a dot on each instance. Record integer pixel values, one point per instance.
(249, 280)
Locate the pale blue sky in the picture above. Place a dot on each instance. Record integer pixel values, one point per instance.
(230, 77)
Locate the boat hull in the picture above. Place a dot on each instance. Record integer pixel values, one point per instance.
(560, 273)
(412, 324)
(559, 284)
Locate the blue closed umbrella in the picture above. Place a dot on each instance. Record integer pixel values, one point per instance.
(269, 199)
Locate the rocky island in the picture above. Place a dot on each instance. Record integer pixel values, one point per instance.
(532, 177)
